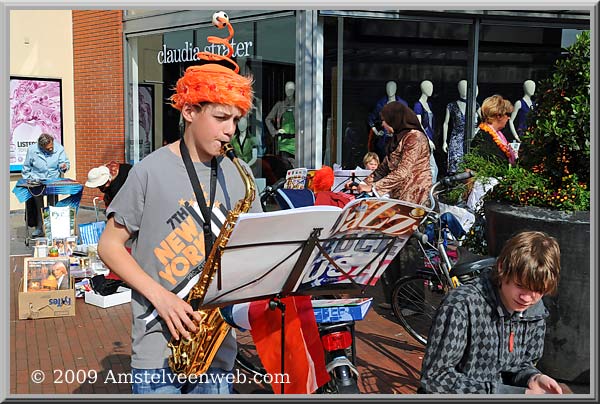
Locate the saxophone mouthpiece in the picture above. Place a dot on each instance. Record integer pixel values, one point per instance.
(227, 150)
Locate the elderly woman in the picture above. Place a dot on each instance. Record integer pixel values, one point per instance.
(45, 160)
(405, 172)
(489, 141)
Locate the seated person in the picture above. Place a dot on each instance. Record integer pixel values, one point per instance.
(108, 179)
(45, 160)
(371, 161)
(488, 334)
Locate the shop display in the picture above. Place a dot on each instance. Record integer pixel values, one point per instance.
(281, 122)
(378, 136)
(454, 127)
(423, 109)
(522, 108)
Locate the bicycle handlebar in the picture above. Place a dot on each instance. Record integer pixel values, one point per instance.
(457, 178)
(422, 237)
(446, 182)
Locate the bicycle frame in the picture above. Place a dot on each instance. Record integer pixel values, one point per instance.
(441, 239)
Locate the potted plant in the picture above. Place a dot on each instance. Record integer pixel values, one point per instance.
(548, 190)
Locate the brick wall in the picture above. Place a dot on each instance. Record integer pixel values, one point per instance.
(99, 93)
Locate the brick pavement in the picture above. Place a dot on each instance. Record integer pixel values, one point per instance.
(99, 339)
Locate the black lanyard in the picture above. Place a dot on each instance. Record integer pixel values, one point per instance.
(206, 210)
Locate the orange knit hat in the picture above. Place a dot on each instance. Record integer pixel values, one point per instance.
(212, 82)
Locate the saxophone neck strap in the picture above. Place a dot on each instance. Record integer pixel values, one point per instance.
(205, 209)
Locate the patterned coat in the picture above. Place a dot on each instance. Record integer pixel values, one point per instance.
(468, 346)
(405, 174)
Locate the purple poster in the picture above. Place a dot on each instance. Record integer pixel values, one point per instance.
(35, 108)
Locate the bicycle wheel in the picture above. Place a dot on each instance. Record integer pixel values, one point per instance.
(248, 361)
(414, 301)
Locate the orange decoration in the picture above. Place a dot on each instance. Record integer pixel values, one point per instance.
(213, 82)
(504, 147)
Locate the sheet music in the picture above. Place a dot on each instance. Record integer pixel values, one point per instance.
(343, 176)
(264, 247)
(247, 268)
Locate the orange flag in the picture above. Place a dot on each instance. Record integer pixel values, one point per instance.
(304, 366)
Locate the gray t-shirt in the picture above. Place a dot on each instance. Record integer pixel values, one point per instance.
(168, 243)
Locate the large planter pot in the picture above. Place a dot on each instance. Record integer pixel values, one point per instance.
(567, 344)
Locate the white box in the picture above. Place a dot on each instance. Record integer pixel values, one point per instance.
(121, 296)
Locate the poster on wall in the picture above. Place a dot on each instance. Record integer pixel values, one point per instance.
(146, 121)
(35, 108)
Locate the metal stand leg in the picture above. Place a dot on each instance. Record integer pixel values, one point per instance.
(278, 304)
(27, 238)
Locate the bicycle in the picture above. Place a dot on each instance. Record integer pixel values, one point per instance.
(447, 265)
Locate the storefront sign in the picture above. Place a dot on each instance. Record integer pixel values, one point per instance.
(189, 52)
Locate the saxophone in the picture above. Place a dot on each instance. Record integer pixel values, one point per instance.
(194, 355)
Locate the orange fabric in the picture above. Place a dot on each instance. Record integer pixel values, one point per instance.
(323, 179)
(214, 83)
(304, 356)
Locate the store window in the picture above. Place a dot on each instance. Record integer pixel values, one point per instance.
(512, 61)
(425, 64)
(264, 48)
(385, 59)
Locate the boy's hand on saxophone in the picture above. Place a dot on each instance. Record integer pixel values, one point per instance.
(179, 316)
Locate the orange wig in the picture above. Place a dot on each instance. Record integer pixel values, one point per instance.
(212, 82)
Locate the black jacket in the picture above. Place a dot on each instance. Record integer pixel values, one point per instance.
(468, 345)
(484, 145)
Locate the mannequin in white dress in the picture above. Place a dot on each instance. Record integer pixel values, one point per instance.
(521, 109)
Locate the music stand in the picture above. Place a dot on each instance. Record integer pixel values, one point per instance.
(300, 270)
(311, 251)
(341, 177)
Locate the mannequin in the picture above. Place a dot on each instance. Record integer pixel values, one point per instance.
(453, 142)
(244, 144)
(378, 138)
(423, 108)
(423, 111)
(280, 123)
(522, 108)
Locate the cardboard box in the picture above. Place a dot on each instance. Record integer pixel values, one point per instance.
(335, 310)
(46, 304)
(121, 296)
